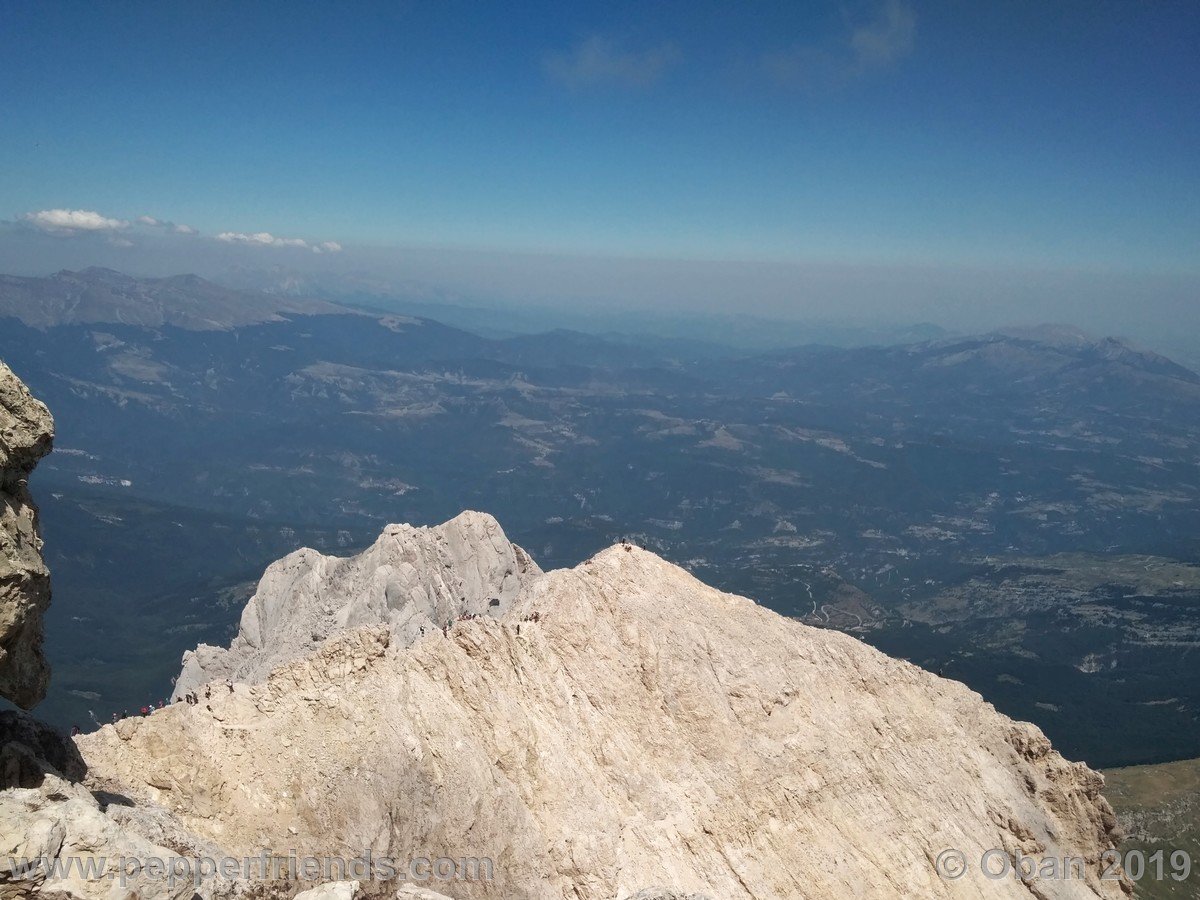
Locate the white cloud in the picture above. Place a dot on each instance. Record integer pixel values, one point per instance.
(262, 238)
(266, 239)
(873, 46)
(72, 221)
(152, 222)
(68, 222)
(598, 61)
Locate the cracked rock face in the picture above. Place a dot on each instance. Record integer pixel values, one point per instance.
(46, 814)
(26, 434)
(413, 580)
(621, 725)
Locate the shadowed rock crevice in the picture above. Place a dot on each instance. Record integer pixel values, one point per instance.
(29, 750)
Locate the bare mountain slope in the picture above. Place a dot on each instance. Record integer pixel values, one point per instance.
(622, 726)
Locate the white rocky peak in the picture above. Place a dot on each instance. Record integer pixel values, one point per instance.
(414, 580)
(622, 726)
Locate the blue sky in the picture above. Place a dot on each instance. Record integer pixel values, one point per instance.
(1020, 135)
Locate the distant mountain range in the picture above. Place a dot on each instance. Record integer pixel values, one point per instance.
(98, 295)
(1016, 510)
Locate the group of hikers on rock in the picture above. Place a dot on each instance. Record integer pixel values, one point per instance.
(469, 617)
(463, 617)
(146, 710)
(191, 698)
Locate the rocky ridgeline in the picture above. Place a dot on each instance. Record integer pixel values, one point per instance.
(596, 732)
(622, 725)
(414, 580)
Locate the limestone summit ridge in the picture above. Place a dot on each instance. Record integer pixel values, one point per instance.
(621, 725)
(414, 580)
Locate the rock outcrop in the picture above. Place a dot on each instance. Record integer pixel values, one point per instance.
(54, 835)
(333, 890)
(352, 890)
(26, 434)
(414, 580)
(621, 726)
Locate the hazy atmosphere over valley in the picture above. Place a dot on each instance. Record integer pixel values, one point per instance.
(604, 451)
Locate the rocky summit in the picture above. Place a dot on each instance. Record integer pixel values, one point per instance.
(619, 726)
(414, 580)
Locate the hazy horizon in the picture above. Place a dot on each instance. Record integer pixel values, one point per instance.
(574, 290)
(882, 160)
